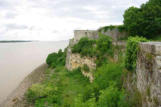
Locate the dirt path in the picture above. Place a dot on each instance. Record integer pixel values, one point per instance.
(18, 94)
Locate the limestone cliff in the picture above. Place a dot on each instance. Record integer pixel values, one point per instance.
(147, 79)
(74, 60)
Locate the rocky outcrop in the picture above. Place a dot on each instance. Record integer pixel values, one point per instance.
(74, 61)
(148, 73)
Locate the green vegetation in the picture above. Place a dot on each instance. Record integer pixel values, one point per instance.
(85, 47)
(156, 38)
(144, 21)
(104, 44)
(63, 88)
(56, 59)
(100, 48)
(132, 50)
(59, 89)
(106, 28)
(121, 28)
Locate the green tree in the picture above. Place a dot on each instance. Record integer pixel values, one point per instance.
(144, 21)
(55, 59)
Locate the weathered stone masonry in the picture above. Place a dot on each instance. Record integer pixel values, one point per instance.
(148, 73)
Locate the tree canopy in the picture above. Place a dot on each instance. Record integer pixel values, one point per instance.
(144, 21)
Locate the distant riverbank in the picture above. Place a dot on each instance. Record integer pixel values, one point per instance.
(14, 41)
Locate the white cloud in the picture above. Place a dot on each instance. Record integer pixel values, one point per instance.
(56, 19)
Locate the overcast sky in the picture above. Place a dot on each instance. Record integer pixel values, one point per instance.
(56, 19)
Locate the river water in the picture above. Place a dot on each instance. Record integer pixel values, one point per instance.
(17, 60)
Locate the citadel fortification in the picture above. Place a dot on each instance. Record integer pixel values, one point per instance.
(148, 70)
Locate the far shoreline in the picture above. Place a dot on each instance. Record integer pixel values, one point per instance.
(15, 41)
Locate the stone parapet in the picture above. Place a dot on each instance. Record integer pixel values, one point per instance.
(148, 73)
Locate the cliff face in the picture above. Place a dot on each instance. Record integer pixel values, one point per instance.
(74, 60)
(147, 78)
(148, 73)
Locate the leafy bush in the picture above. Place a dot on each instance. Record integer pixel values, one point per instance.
(121, 28)
(56, 59)
(132, 50)
(144, 21)
(85, 47)
(104, 44)
(108, 73)
(112, 97)
(100, 48)
(38, 91)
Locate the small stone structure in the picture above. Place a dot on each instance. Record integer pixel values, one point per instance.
(78, 34)
(115, 34)
(148, 73)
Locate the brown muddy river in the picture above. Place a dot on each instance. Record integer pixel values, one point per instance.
(17, 60)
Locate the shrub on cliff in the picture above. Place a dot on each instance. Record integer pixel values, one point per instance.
(108, 73)
(56, 59)
(112, 97)
(132, 50)
(85, 47)
(104, 48)
(104, 44)
(38, 91)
